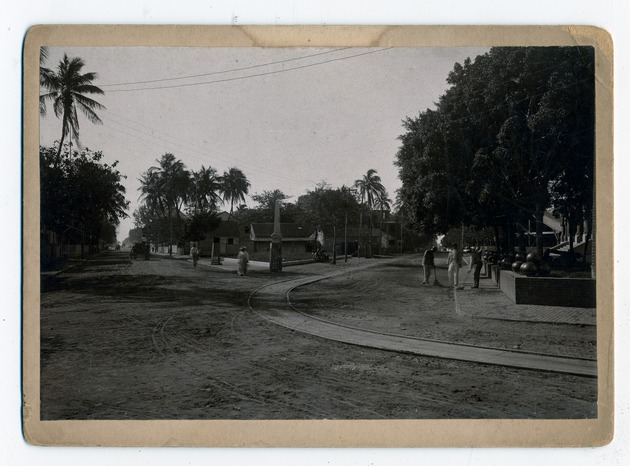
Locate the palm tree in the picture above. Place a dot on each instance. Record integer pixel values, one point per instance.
(370, 188)
(45, 78)
(66, 89)
(383, 203)
(165, 189)
(234, 187)
(204, 187)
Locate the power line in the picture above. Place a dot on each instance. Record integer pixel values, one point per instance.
(227, 159)
(238, 78)
(206, 152)
(227, 71)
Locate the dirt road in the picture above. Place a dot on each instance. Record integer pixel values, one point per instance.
(160, 339)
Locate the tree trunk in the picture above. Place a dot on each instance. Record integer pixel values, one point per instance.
(345, 239)
(334, 244)
(369, 243)
(380, 236)
(572, 232)
(360, 232)
(63, 136)
(497, 239)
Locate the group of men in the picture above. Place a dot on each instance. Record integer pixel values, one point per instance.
(454, 263)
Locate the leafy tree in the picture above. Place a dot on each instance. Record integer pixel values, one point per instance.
(155, 227)
(81, 198)
(267, 204)
(500, 141)
(325, 207)
(66, 90)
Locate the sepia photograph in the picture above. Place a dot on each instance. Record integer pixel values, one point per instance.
(347, 232)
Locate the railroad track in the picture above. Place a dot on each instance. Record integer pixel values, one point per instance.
(273, 304)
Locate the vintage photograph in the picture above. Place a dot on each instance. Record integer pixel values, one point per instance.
(317, 233)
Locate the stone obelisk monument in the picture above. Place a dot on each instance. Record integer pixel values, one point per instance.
(275, 251)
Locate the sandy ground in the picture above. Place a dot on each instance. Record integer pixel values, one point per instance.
(160, 339)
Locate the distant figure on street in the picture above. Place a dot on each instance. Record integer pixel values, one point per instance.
(243, 260)
(427, 264)
(475, 265)
(194, 253)
(454, 263)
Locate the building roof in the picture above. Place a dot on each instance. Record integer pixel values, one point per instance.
(353, 232)
(259, 231)
(229, 229)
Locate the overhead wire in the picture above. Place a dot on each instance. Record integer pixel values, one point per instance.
(226, 71)
(205, 151)
(238, 78)
(270, 173)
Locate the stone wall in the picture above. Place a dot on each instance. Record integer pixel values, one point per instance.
(548, 291)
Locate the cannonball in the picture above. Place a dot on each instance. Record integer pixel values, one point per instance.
(528, 268)
(544, 269)
(533, 257)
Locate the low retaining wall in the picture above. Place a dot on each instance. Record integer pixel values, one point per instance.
(547, 291)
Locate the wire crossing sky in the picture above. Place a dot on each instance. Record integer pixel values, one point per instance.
(289, 118)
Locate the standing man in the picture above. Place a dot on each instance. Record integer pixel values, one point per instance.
(427, 263)
(475, 264)
(454, 263)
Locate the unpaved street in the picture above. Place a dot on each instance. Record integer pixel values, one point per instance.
(160, 339)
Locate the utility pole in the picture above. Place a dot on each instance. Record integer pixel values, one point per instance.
(345, 239)
(401, 232)
(275, 250)
(334, 244)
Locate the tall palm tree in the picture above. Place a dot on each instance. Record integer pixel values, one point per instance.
(370, 188)
(235, 187)
(383, 203)
(165, 189)
(45, 78)
(205, 186)
(66, 89)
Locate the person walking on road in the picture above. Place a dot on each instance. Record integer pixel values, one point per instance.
(475, 265)
(427, 264)
(454, 263)
(194, 253)
(243, 260)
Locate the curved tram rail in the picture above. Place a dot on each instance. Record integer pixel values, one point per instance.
(275, 306)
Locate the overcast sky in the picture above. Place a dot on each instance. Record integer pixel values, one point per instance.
(287, 117)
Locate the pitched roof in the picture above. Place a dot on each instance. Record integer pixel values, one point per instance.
(354, 231)
(288, 230)
(229, 229)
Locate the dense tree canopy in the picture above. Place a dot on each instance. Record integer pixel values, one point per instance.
(81, 197)
(511, 137)
(179, 204)
(325, 207)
